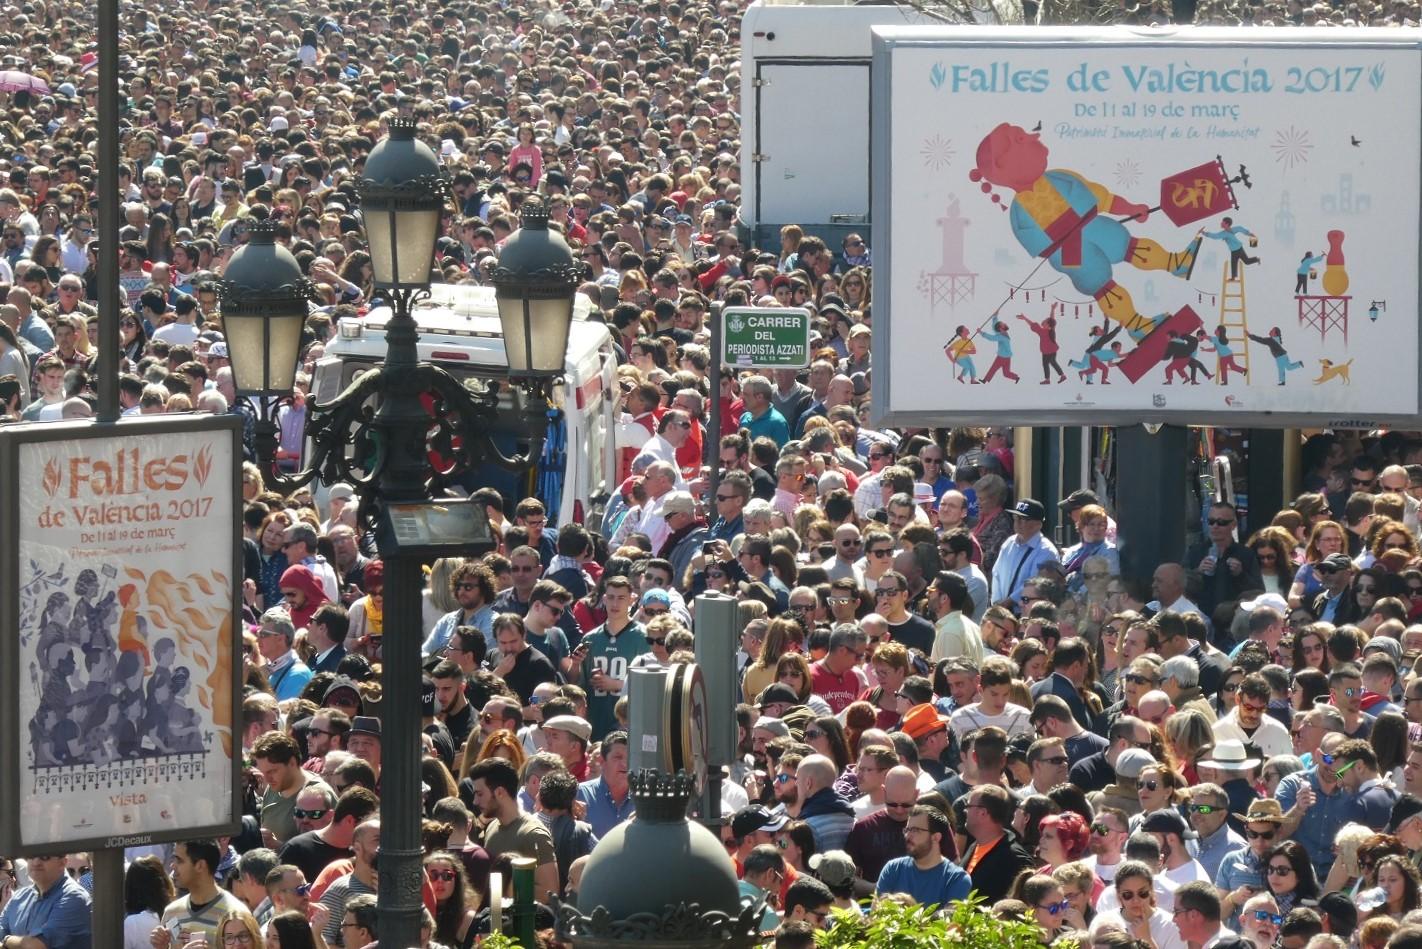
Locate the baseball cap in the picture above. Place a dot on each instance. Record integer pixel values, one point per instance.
(218, 351)
(1266, 599)
(834, 868)
(341, 490)
(1336, 562)
(1078, 498)
(1166, 821)
(1407, 807)
(427, 697)
(756, 817)
(657, 597)
(777, 692)
(1029, 508)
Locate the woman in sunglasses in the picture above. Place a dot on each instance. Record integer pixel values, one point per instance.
(793, 670)
(455, 901)
(797, 845)
(1049, 906)
(1289, 876)
(1138, 914)
(1157, 787)
(826, 735)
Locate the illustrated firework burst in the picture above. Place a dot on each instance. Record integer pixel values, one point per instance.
(1292, 146)
(1128, 173)
(937, 152)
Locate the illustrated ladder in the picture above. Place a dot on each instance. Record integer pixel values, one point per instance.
(1234, 318)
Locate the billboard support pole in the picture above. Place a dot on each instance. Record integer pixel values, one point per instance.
(712, 442)
(107, 908)
(1150, 497)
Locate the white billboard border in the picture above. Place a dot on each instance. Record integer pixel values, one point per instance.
(888, 38)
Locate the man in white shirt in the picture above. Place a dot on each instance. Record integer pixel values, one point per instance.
(1177, 866)
(1167, 585)
(673, 430)
(995, 680)
(1248, 721)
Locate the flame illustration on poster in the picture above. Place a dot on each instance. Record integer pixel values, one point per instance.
(1140, 177)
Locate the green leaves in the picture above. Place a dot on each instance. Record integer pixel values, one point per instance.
(890, 924)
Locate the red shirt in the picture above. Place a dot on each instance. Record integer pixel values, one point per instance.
(839, 691)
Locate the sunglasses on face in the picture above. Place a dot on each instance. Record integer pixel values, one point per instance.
(1130, 896)
(445, 876)
(1055, 908)
(1101, 830)
(302, 814)
(1220, 521)
(1260, 834)
(1280, 870)
(1137, 679)
(881, 552)
(1150, 785)
(1202, 808)
(1338, 775)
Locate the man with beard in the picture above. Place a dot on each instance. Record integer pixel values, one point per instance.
(326, 731)
(995, 857)
(923, 872)
(511, 831)
(1108, 837)
(879, 837)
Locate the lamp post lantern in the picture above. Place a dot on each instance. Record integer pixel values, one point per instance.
(384, 454)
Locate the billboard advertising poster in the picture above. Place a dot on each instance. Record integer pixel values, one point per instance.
(121, 580)
(1201, 226)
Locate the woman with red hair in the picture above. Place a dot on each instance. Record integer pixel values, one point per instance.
(1064, 838)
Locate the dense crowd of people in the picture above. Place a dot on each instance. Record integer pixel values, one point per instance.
(937, 700)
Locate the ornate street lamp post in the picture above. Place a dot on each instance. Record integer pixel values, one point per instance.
(384, 453)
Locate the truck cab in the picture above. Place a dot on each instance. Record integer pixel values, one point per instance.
(460, 332)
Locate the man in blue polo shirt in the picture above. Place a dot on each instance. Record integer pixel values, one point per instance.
(54, 910)
(760, 417)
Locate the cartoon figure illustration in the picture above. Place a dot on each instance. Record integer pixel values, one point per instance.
(1100, 355)
(1275, 342)
(1060, 216)
(1328, 370)
(1180, 353)
(1306, 271)
(1047, 341)
(1229, 233)
(1224, 355)
(1003, 361)
(960, 350)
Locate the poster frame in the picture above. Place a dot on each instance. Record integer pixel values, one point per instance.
(13, 740)
(887, 39)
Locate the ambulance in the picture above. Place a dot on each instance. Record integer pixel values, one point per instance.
(460, 332)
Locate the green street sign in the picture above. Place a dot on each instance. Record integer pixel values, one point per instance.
(765, 337)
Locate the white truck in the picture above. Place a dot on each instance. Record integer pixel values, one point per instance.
(805, 112)
(460, 332)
